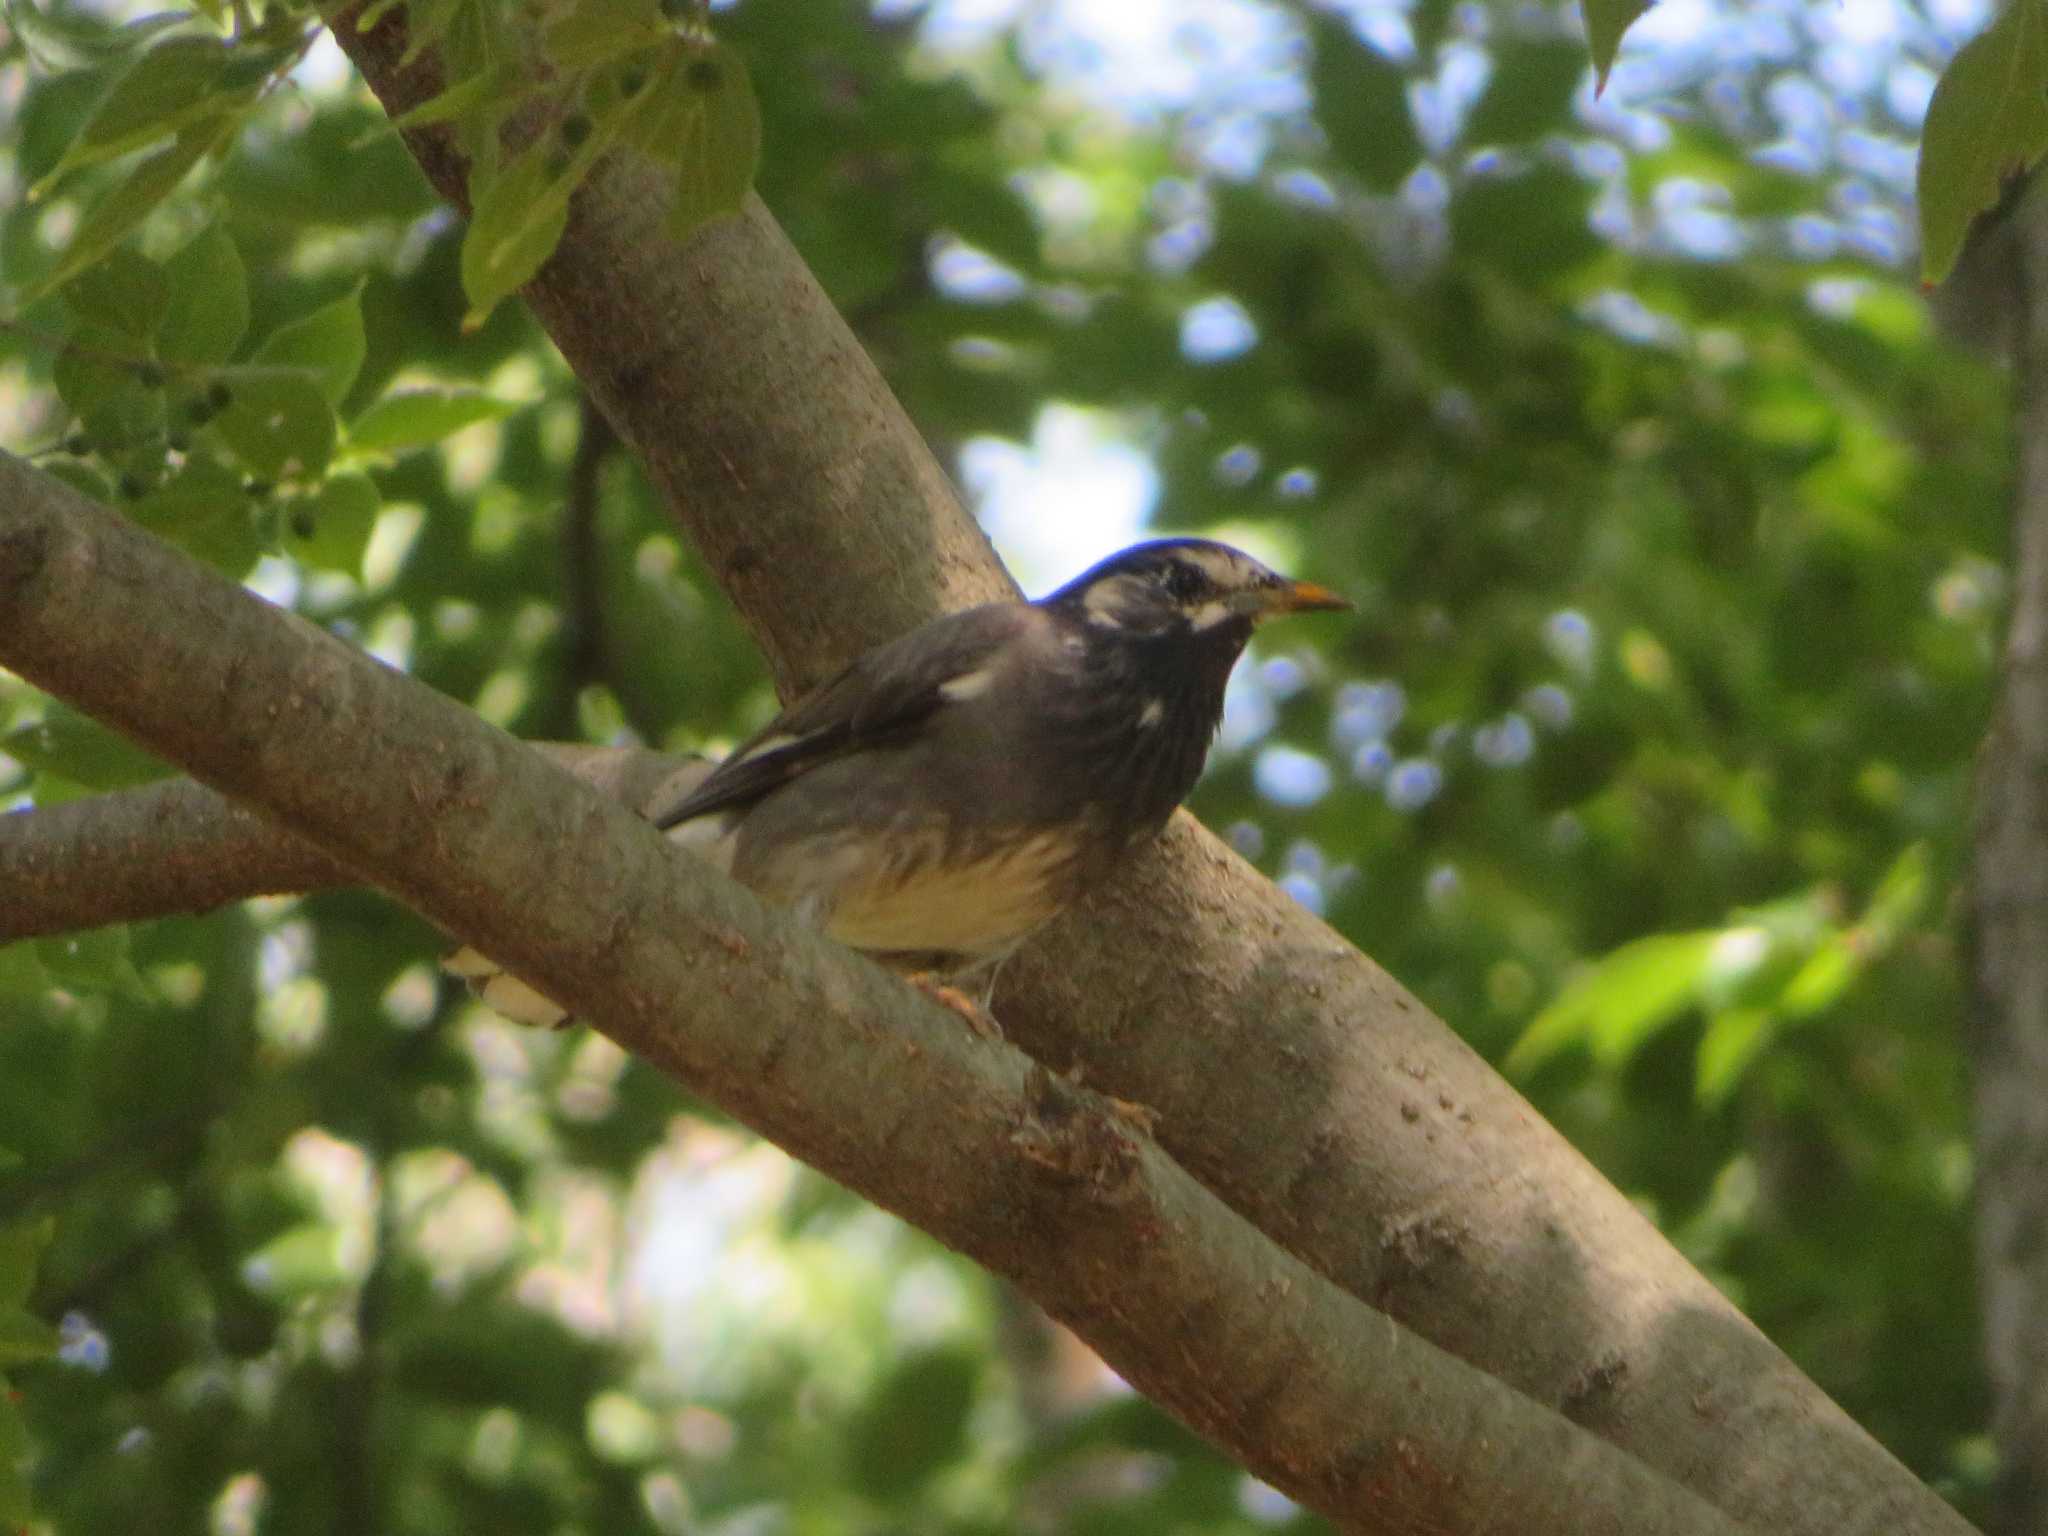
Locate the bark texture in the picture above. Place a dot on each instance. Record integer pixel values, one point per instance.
(1039, 1179)
(178, 849)
(2009, 908)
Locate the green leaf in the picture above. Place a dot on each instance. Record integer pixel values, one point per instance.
(329, 343)
(1531, 223)
(145, 102)
(1618, 1002)
(15, 1509)
(21, 970)
(717, 138)
(331, 528)
(21, 1251)
(303, 1261)
(1824, 977)
(126, 293)
(1606, 20)
(109, 220)
(485, 89)
(1986, 126)
(1733, 1041)
(1900, 896)
(98, 375)
(1362, 103)
(82, 478)
(598, 31)
(204, 510)
(915, 1423)
(25, 1338)
(209, 301)
(517, 222)
(77, 747)
(96, 960)
(1530, 93)
(277, 421)
(415, 418)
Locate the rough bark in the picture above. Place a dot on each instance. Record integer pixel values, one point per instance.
(179, 849)
(1291, 1075)
(2009, 908)
(1041, 1180)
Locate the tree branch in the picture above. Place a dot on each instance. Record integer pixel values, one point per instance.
(1291, 1075)
(179, 849)
(828, 1056)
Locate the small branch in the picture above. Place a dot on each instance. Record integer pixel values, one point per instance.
(586, 650)
(180, 849)
(823, 1053)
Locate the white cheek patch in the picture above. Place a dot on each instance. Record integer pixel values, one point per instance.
(968, 685)
(1223, 568)
(1153, 712)
(1209, 615)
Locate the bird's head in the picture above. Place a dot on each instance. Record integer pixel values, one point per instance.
(1186, 587)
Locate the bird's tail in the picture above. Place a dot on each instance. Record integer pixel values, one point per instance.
(503, 993)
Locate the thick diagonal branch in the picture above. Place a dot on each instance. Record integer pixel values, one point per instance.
(815, 1048)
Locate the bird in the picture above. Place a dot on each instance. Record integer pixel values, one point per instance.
(954, 789)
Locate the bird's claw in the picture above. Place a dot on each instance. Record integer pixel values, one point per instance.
(978, 1018)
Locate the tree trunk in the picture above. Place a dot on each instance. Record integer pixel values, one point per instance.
(2009, 908)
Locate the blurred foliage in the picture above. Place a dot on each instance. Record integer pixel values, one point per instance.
(1679, 547)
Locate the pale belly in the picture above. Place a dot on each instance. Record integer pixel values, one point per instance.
(977, 908)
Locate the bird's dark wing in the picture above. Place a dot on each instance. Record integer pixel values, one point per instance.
(884, 695)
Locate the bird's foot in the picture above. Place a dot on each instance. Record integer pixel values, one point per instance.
(978, 1018)
(1141, 1116)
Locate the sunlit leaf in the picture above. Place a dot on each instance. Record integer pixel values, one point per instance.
(329, 343)
(278, 421)
(168, 88)
(1986, 125)
(1618, 1002)
(126, 293)
(1734, 1039)
(711, 131)
(205, 511)
(416, 418)
(96, 960)
(209, 301)
(516, 224)
(486, 88)
(597, 31)
(331, 528)
(110, 219)
(79, 748)
(305, 1260)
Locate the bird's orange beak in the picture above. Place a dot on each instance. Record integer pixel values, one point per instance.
(1297, 597)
